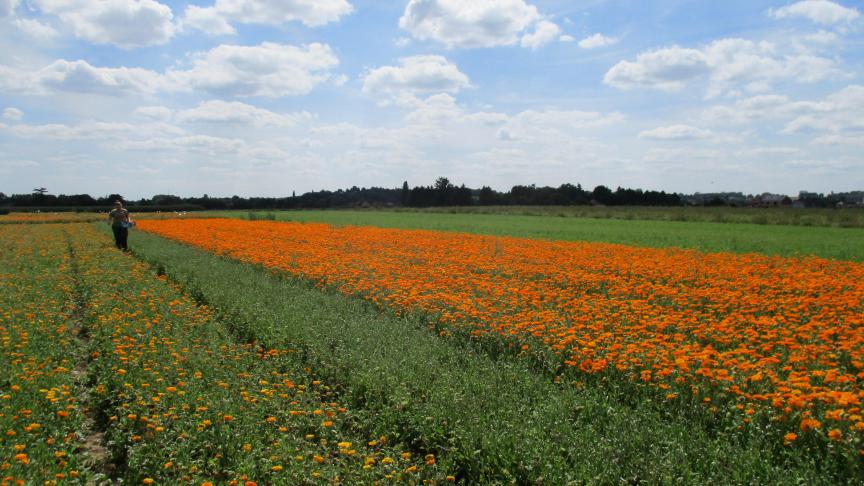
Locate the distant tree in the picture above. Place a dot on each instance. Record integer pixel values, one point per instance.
(488, 197)
(41, 191)
(442, 189)
(406, 194)
(603, 195)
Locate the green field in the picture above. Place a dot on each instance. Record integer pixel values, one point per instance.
(841, 218)
(828, 242)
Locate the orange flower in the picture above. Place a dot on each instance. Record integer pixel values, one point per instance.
(762, 329)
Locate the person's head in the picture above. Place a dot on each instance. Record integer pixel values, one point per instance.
(118, 204)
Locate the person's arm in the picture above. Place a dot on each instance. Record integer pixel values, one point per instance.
(109, 218)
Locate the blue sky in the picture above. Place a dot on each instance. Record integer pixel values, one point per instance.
(266, 97)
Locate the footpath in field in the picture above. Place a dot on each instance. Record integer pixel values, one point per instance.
(623, 410)
(114, 374)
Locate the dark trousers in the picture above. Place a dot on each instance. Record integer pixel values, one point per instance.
(121, 234)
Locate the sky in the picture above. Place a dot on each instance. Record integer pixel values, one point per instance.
(269, 97)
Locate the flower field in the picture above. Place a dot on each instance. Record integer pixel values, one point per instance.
(31, 218)
(765, 338)
(114, 374)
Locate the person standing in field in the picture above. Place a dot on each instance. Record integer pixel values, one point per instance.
(119, 220)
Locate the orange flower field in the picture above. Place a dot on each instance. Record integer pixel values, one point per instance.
(771, 335)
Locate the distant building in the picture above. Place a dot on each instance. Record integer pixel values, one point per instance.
(768, 200)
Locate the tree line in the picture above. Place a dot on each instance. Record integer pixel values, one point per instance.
(441, 193)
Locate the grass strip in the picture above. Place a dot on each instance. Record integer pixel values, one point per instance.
(490, 420)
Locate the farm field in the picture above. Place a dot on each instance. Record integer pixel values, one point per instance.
(115, 375)
(286, 353)
(665, 336)
(839, 243)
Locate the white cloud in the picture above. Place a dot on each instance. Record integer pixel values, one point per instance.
(676, 132)
(841, 112)
(91, 130)
(544, 33)
(725, 64)
(201, 144)
(7, 7)
(216, 20)
(234, 113)
(36, 29)
(124, 23)
(206, 19)
(823, 37)
(12, 113)
(159, 113)
(415, 75)
(666, 69)
(79, 77)
(268, 69)
(478, 23)
(566, 38)
(820, 11)
(597, 40)
(442, 108)
(855, 141)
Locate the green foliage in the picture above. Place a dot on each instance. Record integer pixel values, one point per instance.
(490, 417)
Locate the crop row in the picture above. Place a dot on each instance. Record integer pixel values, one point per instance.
(40, 413)
(784, 335)
(173, 396)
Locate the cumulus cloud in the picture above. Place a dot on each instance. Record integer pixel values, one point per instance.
(36, 29)
(415, 75)
(160, 113)
(12, 113)
(725, 63)
(820, 11)
(123, 23)
(443, 108)
(479, 23)
(544, 33)
(268, 69)
(80, 77)
(217, 20)
(839, 113)
(234, 113)
(676, 132)
(597, 40)
(666, 69)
